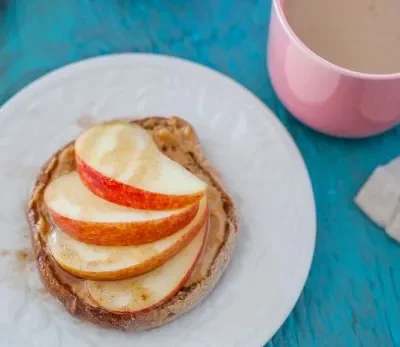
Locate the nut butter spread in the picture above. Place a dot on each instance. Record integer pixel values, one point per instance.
(174, 142)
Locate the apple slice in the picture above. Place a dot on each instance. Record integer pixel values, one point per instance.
(90, 219)
(120, 162)
(115, 263)
(151, 289)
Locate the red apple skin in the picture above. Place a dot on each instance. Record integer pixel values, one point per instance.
(172, 293)
(125, 195)
(148, 265)
(124, 234)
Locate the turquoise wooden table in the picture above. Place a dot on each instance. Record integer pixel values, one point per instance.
(352, 297)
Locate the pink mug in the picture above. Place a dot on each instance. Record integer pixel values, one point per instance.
(324, 96)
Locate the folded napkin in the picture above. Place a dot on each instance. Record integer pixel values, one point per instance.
(379, 198)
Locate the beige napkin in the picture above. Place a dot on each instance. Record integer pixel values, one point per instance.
(379, 198)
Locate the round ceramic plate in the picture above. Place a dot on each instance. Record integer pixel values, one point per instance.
(258, 162)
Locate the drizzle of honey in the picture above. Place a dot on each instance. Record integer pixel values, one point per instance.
(4, 253)
(147, 158)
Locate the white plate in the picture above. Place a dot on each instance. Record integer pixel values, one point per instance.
(258, 161)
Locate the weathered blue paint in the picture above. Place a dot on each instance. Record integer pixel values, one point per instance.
(352, 297)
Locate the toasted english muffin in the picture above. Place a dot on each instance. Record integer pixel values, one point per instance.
(178, 140)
